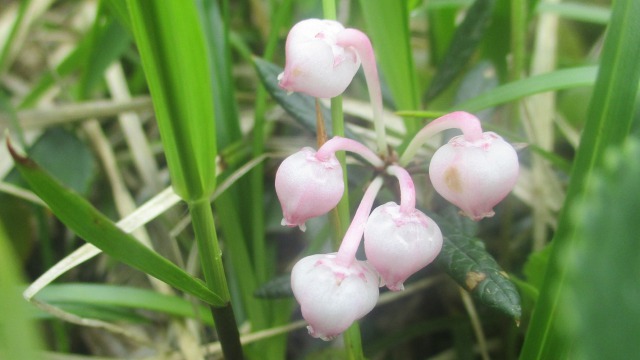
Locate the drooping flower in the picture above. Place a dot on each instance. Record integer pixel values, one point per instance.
(475, 175)
(308, 186)
(398, 243)
(315, 64)
(333, 295)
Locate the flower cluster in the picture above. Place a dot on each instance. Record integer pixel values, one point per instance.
(474, 171)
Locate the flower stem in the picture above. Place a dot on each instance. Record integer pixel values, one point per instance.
(467, 123)
(213, 270)
(351, 241)
(407, 188)
(358, 40)
(338, 143)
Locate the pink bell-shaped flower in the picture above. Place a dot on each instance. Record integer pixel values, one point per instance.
(331, 295)
(475, 175)
(315, 64)
(399, 243)
(308, 186)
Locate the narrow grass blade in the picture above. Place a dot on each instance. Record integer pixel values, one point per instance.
(464, 43)
(606, 323)
(94, 227)
(611, 114)
(388, 28)
(20, 340)
(171, 43)
(123, 297)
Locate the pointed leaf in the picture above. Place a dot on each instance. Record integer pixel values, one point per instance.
(94, 227)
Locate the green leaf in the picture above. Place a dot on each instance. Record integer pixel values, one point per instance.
(605, 264)
(464, 43)
(465, 258)
(302, 107)
(171, 43)
(19, 338)
(388, 28)
(121, 297)
(94, 227)
(467, 261)
(576, 11)
(556, 80)
(611, 114)
(65, 157)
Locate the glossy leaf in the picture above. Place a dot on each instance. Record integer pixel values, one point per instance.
(465, 258)
(94, 227)
(606, 262)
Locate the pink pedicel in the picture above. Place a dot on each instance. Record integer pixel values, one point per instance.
(475, 175)
(308, 186)
(332, 295)
(315, 64)
(399, 244)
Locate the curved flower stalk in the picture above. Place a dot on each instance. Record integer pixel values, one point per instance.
(310, 183)
(474, 171)
(399, 240)
(334, 290)
(322, 57)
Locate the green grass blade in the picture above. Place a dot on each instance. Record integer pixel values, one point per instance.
(94, 227)
(606, 324)
(388, 29)
(611, 114)
(463, 45)
(577, 11)
(556, 80)
(18, 336)
(172, 47)
(123, 297)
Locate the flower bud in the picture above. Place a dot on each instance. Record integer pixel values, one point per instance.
(315, 64)
(307, 186)
(475, 176)
(332, 296)
(398, 244)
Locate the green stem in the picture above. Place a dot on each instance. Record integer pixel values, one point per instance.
(211, 260)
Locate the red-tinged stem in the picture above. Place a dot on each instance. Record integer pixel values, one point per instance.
(338, 143)
(359, 41)
(351, 241)
(407, 188)
(467, 123)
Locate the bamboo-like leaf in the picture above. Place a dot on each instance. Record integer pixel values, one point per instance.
(172, 47)
(94, 227)
(606, 323)
(611, 114)
(464, 43)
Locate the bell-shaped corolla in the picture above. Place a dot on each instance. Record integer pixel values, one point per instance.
(399, 243)
(475, 175)
(315, 64)
(308, 186)
(331, 295)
